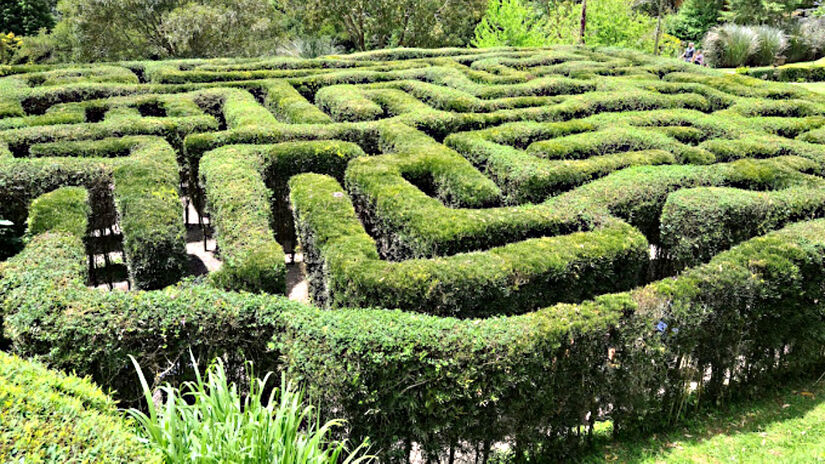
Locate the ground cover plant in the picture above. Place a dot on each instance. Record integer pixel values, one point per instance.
(502, 246)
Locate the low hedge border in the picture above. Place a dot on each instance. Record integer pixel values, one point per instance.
(63, 210)
(790, 73)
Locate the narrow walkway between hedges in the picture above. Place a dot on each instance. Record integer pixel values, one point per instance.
(203, 261)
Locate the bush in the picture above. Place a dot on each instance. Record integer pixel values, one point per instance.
(344, 267)
(475, 369)
(730, 45)
(772, 43)
(48, 416)
(694, 19)
(211, 420)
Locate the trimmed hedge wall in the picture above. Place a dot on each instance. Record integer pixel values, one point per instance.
(241, 183)
(344, 268)
(48, 416)
(482, 372)
(699, 223)
(144, 199)
(309, 333)
(700, 310)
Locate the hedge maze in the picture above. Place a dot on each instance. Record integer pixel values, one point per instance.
(503, 245)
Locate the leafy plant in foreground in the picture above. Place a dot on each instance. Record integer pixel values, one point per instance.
(211, 421)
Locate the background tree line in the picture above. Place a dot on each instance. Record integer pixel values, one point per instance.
(103, 30)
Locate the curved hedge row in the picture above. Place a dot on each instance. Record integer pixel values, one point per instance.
(239, 183)
(344, 268)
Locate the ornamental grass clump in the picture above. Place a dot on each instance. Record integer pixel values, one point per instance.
(211, 420)
(730, 45)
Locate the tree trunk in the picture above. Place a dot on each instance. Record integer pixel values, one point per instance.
(583, 27)
(658, 29)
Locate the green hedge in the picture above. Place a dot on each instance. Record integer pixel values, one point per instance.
(290, 106)
(790, 73)
(243, 185)
(63, 210)
(346, 103)
(149, 214)
(450, 233)
(344, 268)
(48, 416)
(49, 311)
(699, 223)
(443, 392)
(144, 201)
(576, 154)
(439, 381)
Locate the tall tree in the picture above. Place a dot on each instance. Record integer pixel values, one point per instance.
(26, 17)
(770, 12)
(369, 24)
(126, 29)
(509, 23)
(695, 18)
(658, 9)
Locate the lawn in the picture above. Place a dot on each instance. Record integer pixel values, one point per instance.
(818, 87)
(787, 426)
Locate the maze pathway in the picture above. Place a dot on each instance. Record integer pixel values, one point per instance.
(516, 206)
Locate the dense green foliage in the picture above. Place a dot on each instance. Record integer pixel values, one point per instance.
(502, 245)
(122, 29)
(214, 420)
(26, 17)
(771, 12)
(695, 18)
(50, 417)
(508, 23)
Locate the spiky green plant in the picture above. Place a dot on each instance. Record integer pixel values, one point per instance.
(730, 45)
(211, 421)
(771, 43)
